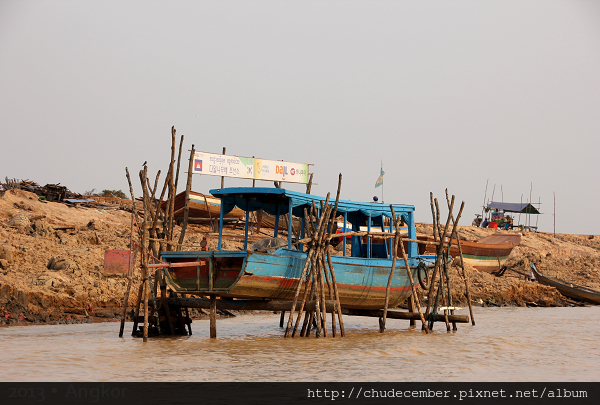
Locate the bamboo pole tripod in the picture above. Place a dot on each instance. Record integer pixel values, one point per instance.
(155, 227)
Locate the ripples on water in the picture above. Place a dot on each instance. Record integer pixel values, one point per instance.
(507, 344)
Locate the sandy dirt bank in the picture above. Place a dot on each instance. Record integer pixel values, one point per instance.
(52, 263)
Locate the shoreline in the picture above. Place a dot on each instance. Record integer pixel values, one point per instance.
(52, 268)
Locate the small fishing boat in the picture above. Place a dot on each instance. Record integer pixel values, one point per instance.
(487, 254)
(271, 268)
(577, 292)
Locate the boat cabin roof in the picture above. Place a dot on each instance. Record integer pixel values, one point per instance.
(269, 199)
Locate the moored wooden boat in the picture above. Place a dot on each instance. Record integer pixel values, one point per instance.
(577, 292)
(273, 273)
(487, 254)
(201, 206)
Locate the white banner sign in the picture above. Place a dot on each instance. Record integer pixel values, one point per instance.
(273, 170)
(224, 165)
(250, 168)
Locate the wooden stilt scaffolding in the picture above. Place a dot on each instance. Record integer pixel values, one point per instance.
(158, 310)
(154, 228)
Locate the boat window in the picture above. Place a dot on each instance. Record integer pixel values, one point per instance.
(368, 247)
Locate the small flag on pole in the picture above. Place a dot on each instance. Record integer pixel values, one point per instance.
(380, 179)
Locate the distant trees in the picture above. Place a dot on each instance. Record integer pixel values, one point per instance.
(107, 193)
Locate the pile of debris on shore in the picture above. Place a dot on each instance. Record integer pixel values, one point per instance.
(61, 194)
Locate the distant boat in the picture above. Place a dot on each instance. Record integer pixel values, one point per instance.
(577, 292)
(486, 254)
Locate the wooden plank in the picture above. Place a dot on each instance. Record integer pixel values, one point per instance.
(245, 305)
(402, 315)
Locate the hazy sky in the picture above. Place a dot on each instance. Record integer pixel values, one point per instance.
(448, 94)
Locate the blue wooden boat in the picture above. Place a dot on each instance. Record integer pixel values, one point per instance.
(273, 273)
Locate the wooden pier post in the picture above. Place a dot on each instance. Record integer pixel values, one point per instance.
(213, 316)
(411, 308)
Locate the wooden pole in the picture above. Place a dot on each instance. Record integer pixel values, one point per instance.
(554, 215)
(330, 290)
(521, 209)
(327, 257)
(132, 260)
(315, 269)
(444, 254)
(254, 185)
(153, 216)
(530, 202)
(160, 280)
(159, 214)
(484, 198)
(372, 234)
(441, 292)
(410, 278)
(179, 163)
(213, 316)
(155, 305)
(336, 295)
(411, 309)
(223, 177)
(383, 319)
(143, 177)
(454, 227)
(537, 217)
(320, 310)
(462, 265)
(188, 187)
(309, 282)
(171, 198)
(136, 314)
(437, 257)
(309, 261)
(309, 185)
(281, 319)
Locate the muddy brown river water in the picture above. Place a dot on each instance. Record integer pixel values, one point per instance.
(507, 344)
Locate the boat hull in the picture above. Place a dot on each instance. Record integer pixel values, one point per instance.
(274, 276)
(486, 257)
(568, 289)
(201, 206)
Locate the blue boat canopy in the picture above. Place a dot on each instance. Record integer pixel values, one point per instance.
(268, 199)
(523, 208)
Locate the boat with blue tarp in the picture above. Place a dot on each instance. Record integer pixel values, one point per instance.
(270, 269)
